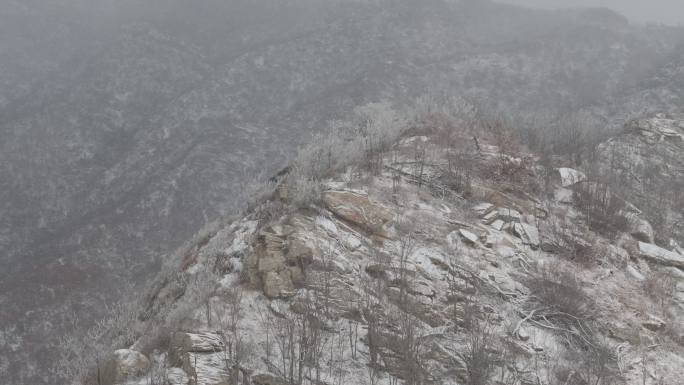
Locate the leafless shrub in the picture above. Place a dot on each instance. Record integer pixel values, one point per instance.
(592, 365)
(82, 357)
(237, 348)
(558, 302)
(303, 190)
(480, 356)
(661, 287)
(156, 338)
(158, 372)
(362, 144)
(299, 339)
(255, 188)
(602, 208)
(199, 287)
(582, 252)
(675, 331)
(413, 349)
(567, 240)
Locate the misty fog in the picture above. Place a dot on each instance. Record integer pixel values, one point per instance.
(653, 11)
(127, 126)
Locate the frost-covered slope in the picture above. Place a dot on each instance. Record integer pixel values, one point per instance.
(455, 262)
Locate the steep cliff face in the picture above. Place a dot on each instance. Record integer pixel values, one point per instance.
(447, 259)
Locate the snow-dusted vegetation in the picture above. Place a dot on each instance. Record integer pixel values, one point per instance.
(437, 191)
(386, 271)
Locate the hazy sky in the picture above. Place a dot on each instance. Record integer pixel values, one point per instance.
(663, 11)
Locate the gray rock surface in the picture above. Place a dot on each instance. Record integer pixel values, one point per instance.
(125, 364)
(661, 256)
(529, 234)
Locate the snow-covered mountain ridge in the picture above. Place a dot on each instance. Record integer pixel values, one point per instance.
(453, 256)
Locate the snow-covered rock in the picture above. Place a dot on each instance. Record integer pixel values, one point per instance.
(498, 224)
(569, 176)
(634, 273)
(640, 228)
(483, 208)
(506, 215)
(177, 376)
(661, 256)
(207, 368)
(357, 209)
(563, 195)
(527, 233)
(127, 364)
(468, 236)
(183, 342)
(654, 323)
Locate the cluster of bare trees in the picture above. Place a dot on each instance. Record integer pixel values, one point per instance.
(85, 359)
(304, 346)
(360, 143)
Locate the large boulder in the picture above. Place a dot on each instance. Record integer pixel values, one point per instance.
(569, 176)
(634, 273)
(527, 233)
(654, 323)
(674, 246)
(640, 228)
(357, 209)
(661, 256)
(183, 342)
(502, 214)
(200, 355)
(468, 236)
(124, 364)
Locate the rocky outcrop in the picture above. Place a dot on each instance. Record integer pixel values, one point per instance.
(569, 176)
(527, 233)
(197, 342)
(661, 256)
(649, 157)
(659, 128)
(200, 355)
(278, 263)
(468, 237)
(502, 214)
(634, 273)
(654, 323)
(206, 368)
(123, 365)
(640, 228)
(358, 210)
